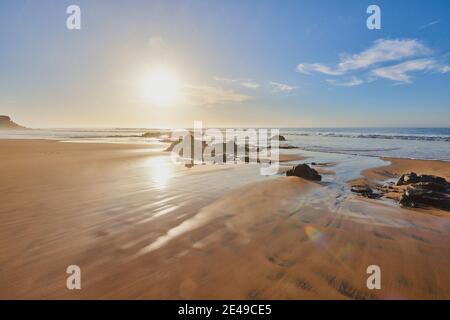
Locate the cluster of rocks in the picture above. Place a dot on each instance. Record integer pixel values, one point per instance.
(304, 171)
(229, 148)
(227, 151)
(193, 141)
(416, 191)
(424, 190)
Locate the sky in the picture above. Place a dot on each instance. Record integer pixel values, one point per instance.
(237, 63)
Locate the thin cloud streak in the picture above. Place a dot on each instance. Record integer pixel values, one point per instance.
(353, 81)
(432, 23)
(282, 87)
(381, 51)
(248, 83)
(400, 72)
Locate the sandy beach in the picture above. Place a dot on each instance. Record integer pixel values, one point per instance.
(141, 227)
(225, 150)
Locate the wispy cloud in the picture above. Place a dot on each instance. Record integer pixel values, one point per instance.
(400, 72)
(227, 80)
(427, 25)
(282, 87)
(381, 51)
(209, 96)
(353, 81)
(308, 68)
(248, 83)
(251, 85)
(410, 55)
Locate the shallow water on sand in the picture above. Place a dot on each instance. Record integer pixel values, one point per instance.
(347, 167)
(336, 191)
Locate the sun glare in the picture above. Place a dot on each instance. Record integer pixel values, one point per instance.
(160, 87)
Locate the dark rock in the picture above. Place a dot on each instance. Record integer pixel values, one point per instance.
(226, 147)
(222, 148)
(407, 178)
(432, 186)
(304, 171)
(279, 138)
(433, 179)
(417, 197)
(181, 140)
(412, 177)
(424, 190)
(365, 192)
(151, 134)
(283, 147)
(428, 190)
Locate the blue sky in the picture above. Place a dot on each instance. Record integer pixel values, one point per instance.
(241, 63)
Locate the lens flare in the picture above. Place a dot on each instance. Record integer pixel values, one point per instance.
(313, 234)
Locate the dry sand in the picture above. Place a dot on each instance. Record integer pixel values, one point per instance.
(142, 227)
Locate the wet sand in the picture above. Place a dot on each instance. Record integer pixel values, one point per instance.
(395, 167)
(141, 227)
(399, 166)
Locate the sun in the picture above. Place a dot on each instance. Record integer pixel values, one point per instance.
(160, 87)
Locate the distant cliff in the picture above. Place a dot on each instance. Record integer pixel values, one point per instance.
(7, 124)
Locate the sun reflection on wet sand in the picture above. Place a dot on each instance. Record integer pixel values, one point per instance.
(161, 171)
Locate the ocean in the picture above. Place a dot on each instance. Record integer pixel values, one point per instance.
(413, 143)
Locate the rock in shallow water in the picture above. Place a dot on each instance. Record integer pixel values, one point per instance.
(279, 138)
(365, 192)
(304, 171)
